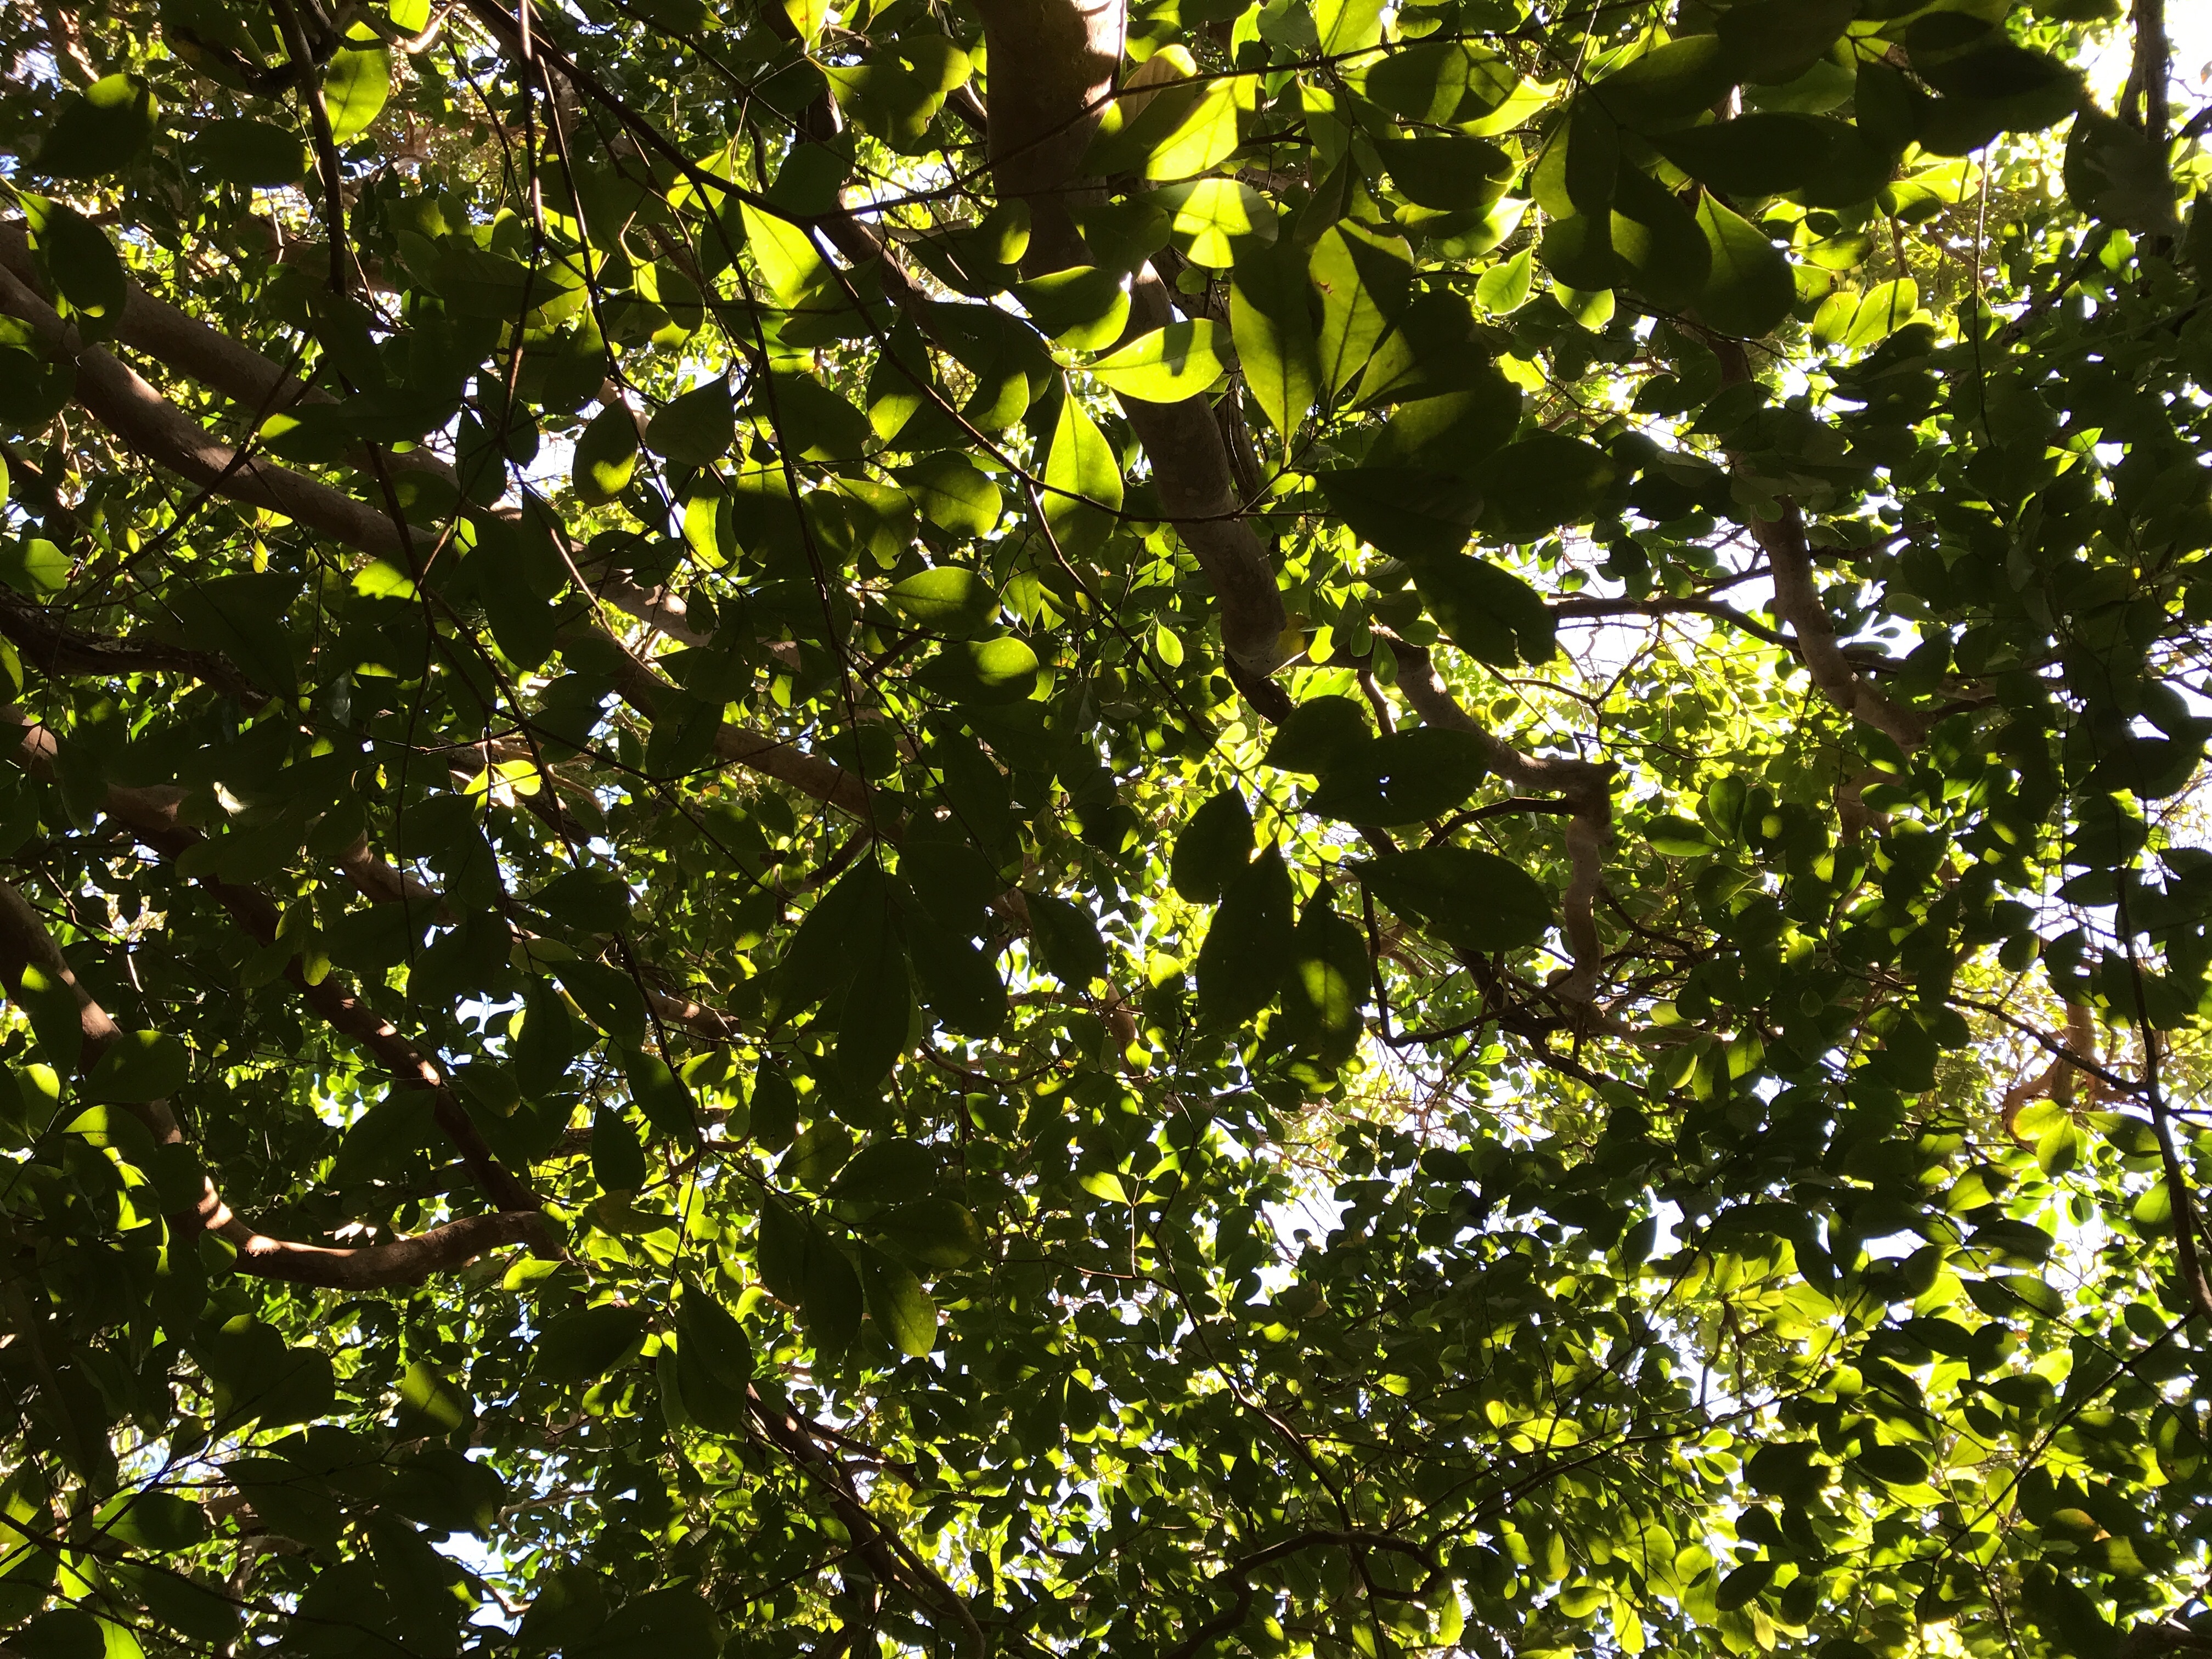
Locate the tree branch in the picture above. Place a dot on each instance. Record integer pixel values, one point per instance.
(149, 423)
(1797, 602)
(1585, 786)
(151, 816)
(25, 945)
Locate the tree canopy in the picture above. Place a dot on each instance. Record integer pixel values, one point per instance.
(1012, 828)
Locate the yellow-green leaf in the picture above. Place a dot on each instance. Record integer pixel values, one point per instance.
(355, 85)
(1167, 364)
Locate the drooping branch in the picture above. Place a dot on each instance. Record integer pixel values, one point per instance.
(890, 1556)
(1797, 601)
(26, 946)
(1586, 786)
(1041, 120)
(151, 816)
(156, 429)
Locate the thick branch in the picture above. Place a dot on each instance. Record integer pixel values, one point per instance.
(1797, 602)
(151, 816)
(1585, 786)
(25, 945)
(149, 424)
(885, 1551)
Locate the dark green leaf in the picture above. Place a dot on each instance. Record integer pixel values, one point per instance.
(1065, 938)
(948, 599)
(258, 154)
(898, 1304)
(1248, 945)
(1771, 41)
(99, 131)
(585, 1346)
(1214, 845)
(1401, 777)
(142, 1066)
(1477, 900)
(1271, 316)
(695, 428)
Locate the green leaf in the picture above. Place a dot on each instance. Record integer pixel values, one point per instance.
(1576, 173)
(952, 495)
(1214, 847)
(1437, 82)
(1064, 935)
(1405, 777)
(1679, 837)
(87, 276)
(2114, 172)
(1769, 42)
(158, 1521)
(878, 1009)
(1167, 364)
(585, 1346)
(1248, 945)
(1578, 250)
(1083, 307)
(886, 1169)
(661, 1624)
(1329, 981)
(938, 1232)
(56, 1017)
(258, 154)
(785, 255)
(1453, 432)
(1202, 139)
(1082, 475)
(63, 1633)
(1672, 83)
(1321, 733)
(1405, 512)
(99, 131)
(1211, 220)
(429, 1402)
(1477, 900)
(713, 1341)
(356, 83)
(35, 566)
(1347, 26)
(960, 985)
(140, 1066)
(1894, 1465)
(1363, 280)
(1271, 319)
(606, 456)
(898, 1304)
(1750, 289)
(1447, 172)
(657, 1092)
(1660, 249)
(1884, 308)
(570, 1604)
(1488, 613)
(986, 672)
(1544, 481)
(695, 428)
(830, 1303)
(1766, 154)
(609, 996)
(1504, 287)
(948, 599)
